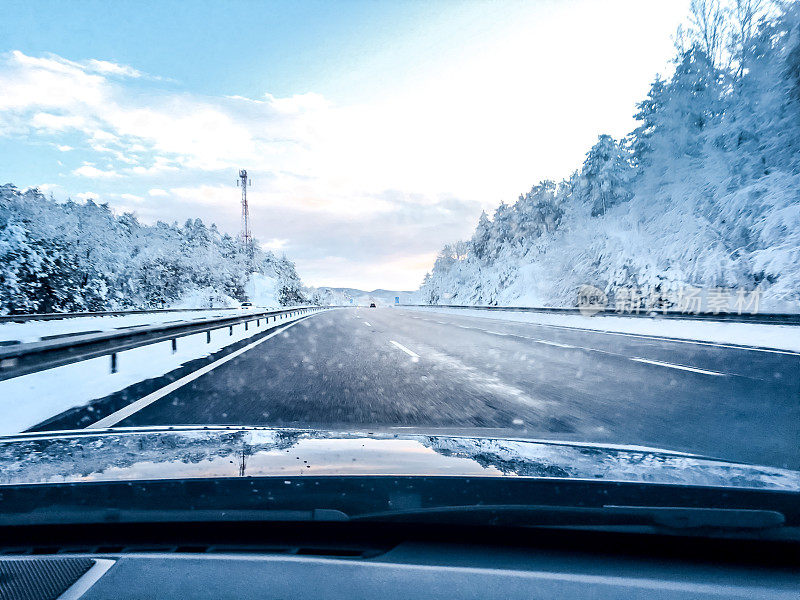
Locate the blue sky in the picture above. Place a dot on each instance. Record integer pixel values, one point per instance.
(375, 131)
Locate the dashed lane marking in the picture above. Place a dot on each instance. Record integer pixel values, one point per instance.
(414, 356)
(557, 345)
(681, 367)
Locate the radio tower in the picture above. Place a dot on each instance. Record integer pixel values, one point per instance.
(245, 236)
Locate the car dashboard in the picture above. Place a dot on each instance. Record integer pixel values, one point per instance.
(291, 561)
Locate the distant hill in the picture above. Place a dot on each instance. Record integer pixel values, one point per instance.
(381, 297)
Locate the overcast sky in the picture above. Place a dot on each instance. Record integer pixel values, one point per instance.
(375, 132)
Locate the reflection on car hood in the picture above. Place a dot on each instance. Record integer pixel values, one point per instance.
(191, 452)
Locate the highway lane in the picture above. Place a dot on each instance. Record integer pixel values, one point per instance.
(392, 367)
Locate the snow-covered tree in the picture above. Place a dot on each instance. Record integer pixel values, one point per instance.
(482, 236)
(81, 256)
(605, 175)
(705, 191)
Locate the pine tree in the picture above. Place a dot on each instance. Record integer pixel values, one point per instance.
(482, 236)
(606, 175)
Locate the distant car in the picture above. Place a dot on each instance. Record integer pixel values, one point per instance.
(246, 305)
(372, 305)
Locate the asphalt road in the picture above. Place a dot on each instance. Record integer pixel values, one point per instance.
(390, 367)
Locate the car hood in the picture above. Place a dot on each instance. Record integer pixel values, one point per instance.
(156, 453)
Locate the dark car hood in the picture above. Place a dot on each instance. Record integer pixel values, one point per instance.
(127, 454)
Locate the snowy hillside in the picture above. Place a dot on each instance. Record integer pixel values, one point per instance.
(704, 192)
(57, 257)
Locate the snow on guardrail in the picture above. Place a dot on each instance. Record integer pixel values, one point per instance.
(773, 336)
(763, 318)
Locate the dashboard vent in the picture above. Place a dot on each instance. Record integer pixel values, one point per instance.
(40, 578)
(321, 551)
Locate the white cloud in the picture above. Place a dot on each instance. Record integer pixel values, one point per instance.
(204, 195)
(157, 166)
(131, 197)
(275, 244)
(64, 148)
(377, 178)
(87, 196)
(89, 170)
(31, 83)
(56, 123)
(47, 187)
(109, 68)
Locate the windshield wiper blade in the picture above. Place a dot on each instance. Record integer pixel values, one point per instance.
(82, 515)
(672, 517)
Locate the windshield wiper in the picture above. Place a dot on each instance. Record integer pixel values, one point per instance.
(671, 517)
(82, 515)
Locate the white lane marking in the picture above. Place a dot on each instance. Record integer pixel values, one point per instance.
(367, 324)
(414, 356)
(556, 344)
(486, 384)
(141, 403)
(494, 332)
(681, 367)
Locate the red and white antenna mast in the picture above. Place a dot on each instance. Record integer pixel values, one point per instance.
(245, 236)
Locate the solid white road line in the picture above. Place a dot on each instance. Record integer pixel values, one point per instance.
(681, 367)
(414, 356)
(141, 403)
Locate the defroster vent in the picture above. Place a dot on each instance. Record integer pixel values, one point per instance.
(40, 578)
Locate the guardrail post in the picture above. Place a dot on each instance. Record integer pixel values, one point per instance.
(174, 345)
(230, 330)
(208, 336)
(245, 325)
(258, 322)
(114, 362)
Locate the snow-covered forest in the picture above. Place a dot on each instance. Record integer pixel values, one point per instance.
(705, 191)
(68, 256)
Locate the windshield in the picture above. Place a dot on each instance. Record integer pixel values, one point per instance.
(554, 240)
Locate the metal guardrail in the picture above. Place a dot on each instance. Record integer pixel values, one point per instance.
(760, 318)
(22, 359)
(22, 318)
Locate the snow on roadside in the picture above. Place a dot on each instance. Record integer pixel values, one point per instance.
(33, 331)
(30, 399)
(780, 337)
(262, 290)
(204, 298)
